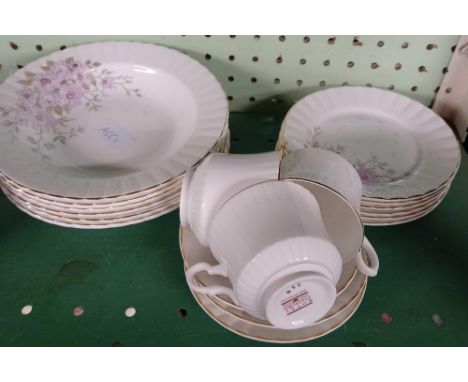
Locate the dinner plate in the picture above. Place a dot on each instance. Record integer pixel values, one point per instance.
(399, 147)
(85, 215)
(373, 221)
(107, 119)
(157, 196)
(95, 213)
(170, 206)
(222, 145)
(392, 210)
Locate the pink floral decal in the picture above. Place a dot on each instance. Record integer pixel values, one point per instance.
(46, 99)
(371, 170)
(313, 141)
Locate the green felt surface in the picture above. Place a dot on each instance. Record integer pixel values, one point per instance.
(424, 270)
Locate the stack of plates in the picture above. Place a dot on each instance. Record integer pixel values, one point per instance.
(405, 154)
(381, 211)
(350, 293)
(100, 135)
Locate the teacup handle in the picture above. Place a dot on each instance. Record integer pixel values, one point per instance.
(371, 269)
(220, 269)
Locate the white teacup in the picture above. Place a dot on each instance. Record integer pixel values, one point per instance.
(324, 167)
(270, 241)
(337, 187)
(215, 180)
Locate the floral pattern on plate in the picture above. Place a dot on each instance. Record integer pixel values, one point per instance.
(46, 99)
(370, 170)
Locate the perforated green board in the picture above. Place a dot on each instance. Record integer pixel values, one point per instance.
(269, 73)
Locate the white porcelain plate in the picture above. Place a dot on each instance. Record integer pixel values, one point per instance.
(105, 119)
(399, 147)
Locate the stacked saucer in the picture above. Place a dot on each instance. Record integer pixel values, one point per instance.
(350, 291)
(405, 154)
(100, 135)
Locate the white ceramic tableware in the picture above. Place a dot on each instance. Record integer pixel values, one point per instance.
(109, 118)
(193, 252)
(98, 213)
(215, 180)
(379, 221)
(324, 167)
(340, 217)
(399, 147)
(270, 241)
(274, 335)
(405, 209)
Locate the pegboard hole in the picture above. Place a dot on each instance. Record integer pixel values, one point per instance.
(404, 45)
(331, 40)
(453, 48)
(255, 59)
(302, 61)
(357, 42)
(448, 90)
(436, 90)
(252, 99)
(326, 63)
(306, 39)
(230, 98)
(397, 66)
(350, 64)
(322, 83)
(257, 37)
(391, 87)
(182, 313)
(232, 57)
(422, 69)
(279, 60)
(253, 79)
(375, 65)
(78, 311)
(380, 44)
(230, 78)
(445, 70)
(25, 310)
(282, 38)
(232, 36)
(13, 45)
(431, 46)
(19, 66)
(414, 88)
(38, 47)
(63, 47)
(276, 81)
(130, 312)
(207, 35)
(207, 56)
(299, 82)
